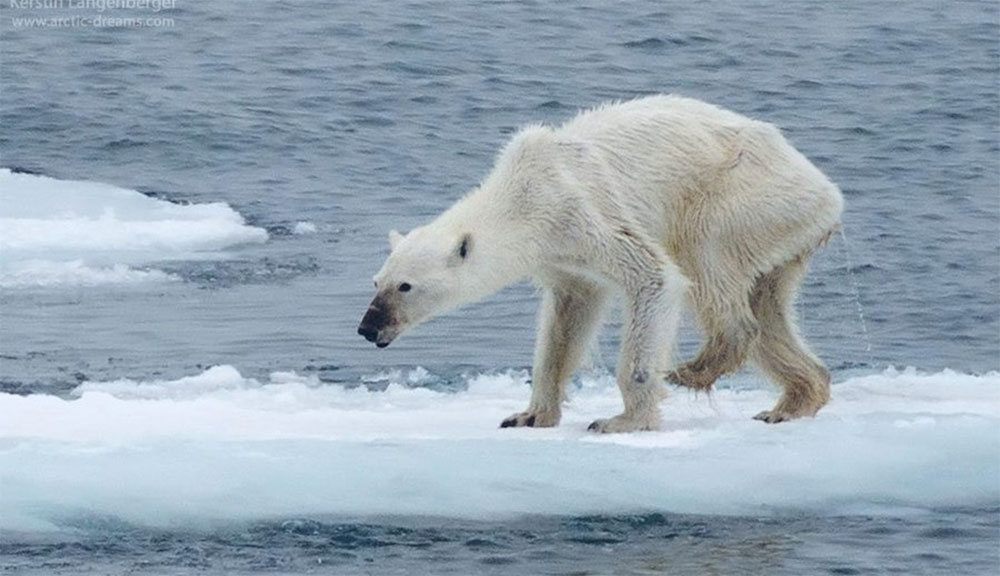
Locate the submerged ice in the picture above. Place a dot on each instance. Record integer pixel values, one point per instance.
(219, 445)
(62, 232)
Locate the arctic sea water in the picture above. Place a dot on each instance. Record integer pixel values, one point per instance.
(190, 216)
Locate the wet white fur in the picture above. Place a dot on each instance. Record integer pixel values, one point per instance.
(663, 199)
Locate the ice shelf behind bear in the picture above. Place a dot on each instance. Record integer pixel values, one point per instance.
(58, 232)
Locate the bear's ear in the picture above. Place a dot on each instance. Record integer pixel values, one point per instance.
(462, 250)
(464, 246)
(394, 239)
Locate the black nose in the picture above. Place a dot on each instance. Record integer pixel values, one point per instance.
(368, 332)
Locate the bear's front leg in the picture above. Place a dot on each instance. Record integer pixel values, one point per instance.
(652, 318)
(642, 398)
(571, 311)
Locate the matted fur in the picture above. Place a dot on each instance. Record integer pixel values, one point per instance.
(664, 199)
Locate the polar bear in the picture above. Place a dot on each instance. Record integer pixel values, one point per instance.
(666, 200)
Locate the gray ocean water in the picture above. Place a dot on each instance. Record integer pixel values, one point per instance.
(360, 117)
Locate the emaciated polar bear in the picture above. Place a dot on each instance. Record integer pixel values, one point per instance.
(664, 198)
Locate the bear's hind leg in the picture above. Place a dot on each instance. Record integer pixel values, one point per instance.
(570, 313)
(780, 353)
(721, 354)
(730, 331)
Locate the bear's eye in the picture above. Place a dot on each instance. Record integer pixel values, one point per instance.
(405, 287)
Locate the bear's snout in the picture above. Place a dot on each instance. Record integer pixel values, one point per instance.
(374, 322)
(368, 332)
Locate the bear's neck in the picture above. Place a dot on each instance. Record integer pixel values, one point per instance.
(501, 253)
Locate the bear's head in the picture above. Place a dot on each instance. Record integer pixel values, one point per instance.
(427, 273)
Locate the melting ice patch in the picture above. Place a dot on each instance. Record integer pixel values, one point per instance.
(62, 232)
(218, 446)
(302, 228)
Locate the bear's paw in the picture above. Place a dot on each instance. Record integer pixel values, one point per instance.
(774, 416)
(688, 377)
(626, 423)
(532, 419)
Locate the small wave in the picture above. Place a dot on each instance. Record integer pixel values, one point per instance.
(125, 143)
(552, 105)
(233, 272)
(656, 44)
(646, 44)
